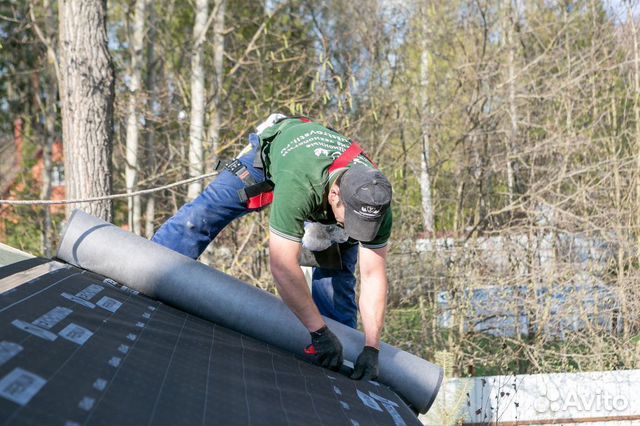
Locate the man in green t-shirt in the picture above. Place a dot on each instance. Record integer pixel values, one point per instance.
(316, 176)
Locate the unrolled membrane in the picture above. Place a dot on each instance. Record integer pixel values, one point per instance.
(174, 279)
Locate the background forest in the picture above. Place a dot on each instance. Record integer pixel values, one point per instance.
(509, 129)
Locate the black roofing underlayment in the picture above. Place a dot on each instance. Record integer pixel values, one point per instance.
(77, 348)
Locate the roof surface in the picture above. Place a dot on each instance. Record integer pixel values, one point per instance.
(77, 348)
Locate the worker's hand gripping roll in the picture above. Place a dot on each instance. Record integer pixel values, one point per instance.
(366, 367)
(325, 348)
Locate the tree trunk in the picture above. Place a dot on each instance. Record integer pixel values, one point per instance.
(196, 128)
(458, 215)
(155, 108)
(45, 193)
(50, 110)
(136, 46)
(509, 26)
(425, 178)
(215, 118)
(636, 117)
(86, 94)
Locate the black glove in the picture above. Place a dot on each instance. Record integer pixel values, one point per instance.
(366, 367)
(326, 348)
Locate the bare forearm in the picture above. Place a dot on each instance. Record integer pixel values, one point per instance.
(373, 302)
(293, 289)
(373, 293)
(291, 283)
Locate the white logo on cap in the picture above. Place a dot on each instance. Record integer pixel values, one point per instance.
(369, 211)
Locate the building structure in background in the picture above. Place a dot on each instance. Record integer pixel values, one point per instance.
(561, 280)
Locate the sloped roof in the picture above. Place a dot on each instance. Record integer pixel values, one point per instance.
(78, 348)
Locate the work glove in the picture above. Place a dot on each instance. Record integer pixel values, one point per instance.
(366, 367)
(326, 348)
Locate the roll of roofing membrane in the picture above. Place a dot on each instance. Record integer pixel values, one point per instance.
(160, 273)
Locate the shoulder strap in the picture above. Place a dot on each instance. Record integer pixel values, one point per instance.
(348, 156)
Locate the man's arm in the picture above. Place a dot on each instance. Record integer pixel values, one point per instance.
(284, 254)
(284, 257)
(373, 293)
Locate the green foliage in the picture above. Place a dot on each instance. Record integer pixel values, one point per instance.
(22, 234)
(23, 224)
(20, 60)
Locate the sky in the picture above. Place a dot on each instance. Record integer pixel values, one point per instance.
(619, 8)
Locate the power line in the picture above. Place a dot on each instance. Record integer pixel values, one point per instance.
(107, 197)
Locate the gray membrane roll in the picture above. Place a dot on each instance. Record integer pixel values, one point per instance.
(174, 279)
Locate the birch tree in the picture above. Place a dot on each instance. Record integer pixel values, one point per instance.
(153, 67)
(47, 36)
(425, 177)
(215, 117)
(136, 47)
(196, 128)
(509, 29)
(636, 110)
(86, 94)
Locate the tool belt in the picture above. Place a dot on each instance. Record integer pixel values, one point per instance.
(256, 194)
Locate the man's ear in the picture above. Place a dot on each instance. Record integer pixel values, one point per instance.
(334, 193)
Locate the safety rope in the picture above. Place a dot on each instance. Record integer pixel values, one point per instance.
(107, 197)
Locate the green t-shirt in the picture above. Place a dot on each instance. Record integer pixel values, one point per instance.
(297, 157)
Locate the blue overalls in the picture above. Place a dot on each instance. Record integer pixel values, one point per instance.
(197, 223)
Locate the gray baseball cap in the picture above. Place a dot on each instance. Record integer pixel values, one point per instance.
(366, 193)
